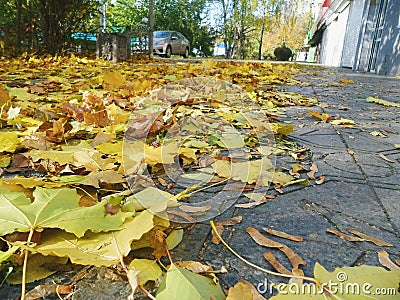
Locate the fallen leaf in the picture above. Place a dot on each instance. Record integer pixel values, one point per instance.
(243, 290)
(7, 254)
(97, 249)
(283, 235)
(320, 180)
(9, 141)
(194, 266)
(342, 122)
(343, 236)
(297, 272)
(44, 290)
(179, 283)
(4, 96)
(385, 158)
(382, 102)
(346, 81)
(323, 117)
(371, 239)
(270, 257)
(262, 240)
(385, 260)
(38, 267)
(378, 134)
(174, 239)
(113, 79)
(314, 167)
(230, 222)
(194, 209)
(50, 210)
(215, 239)
(311, 175)
(145, 270)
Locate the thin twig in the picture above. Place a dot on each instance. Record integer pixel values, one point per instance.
(146, 292)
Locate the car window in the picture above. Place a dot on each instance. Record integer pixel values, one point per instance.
(174, 35)
(161, 34)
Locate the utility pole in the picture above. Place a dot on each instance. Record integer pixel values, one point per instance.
(151, 23)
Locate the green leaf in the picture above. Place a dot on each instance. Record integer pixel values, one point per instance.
(98, 249)
(38, 267)
(145, 270)
(174, 238)
(180, 284)
(361, 282)
(54, 208)
(7, 254)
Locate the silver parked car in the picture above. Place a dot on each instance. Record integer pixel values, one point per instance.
(167, 43)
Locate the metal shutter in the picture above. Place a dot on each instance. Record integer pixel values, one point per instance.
(352, 33)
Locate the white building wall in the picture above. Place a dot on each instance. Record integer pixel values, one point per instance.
(333, 39)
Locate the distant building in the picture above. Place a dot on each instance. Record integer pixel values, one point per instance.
(358, 34)
(219, 49)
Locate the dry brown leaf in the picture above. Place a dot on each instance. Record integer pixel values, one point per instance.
(344, 236)
(194, 266)
(43, 290)
(4, 96)
(385, 260)
(230, 221)
(98, 118)
(251, 204)
(311, 175)
(157, 242)
(194, 209)
(243, 290)
(270, 257)
(162, 181)
(215, 239)
(371, 239)
(320, 180)
(314, 167)
(295, 259)
(385, 158)
(283, 235)
(262, 240)
(297, 272)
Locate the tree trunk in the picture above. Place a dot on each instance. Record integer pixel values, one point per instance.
(50, 15)
(151, 24)
(18, 26)
(261, 40)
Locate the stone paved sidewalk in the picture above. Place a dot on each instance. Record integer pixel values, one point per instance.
(361, 189)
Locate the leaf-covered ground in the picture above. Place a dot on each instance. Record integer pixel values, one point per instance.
(98, 159)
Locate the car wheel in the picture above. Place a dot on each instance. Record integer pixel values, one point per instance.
(186, 54)
(168, 52)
